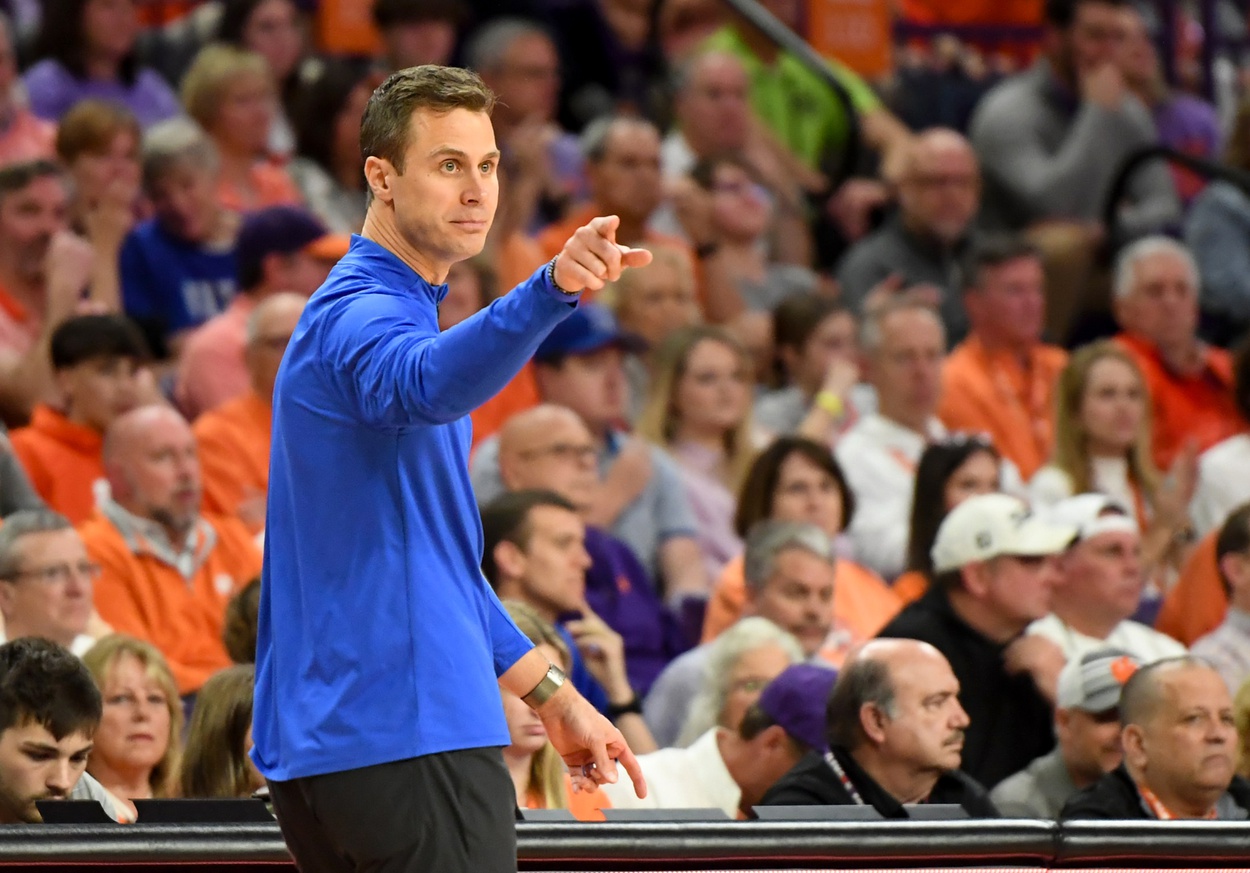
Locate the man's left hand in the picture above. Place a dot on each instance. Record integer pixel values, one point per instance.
(590, 745)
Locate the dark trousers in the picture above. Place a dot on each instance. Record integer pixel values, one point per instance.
(453, 812)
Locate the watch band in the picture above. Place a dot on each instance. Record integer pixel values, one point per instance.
(545, 689)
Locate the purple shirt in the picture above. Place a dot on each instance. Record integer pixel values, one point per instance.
(620, 593)
(54, 90)
(1191, 126)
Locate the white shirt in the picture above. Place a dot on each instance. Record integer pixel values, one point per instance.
(879, 457)
(1108, 476)
(690, 778)
(1223, 483)
(1143, 643)
(78, 647)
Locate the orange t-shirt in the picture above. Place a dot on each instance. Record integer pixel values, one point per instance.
(234, 456)
(1198, 407)
(62, 460)
(269, 185)
(1197, 603)
(862, 605)
(140, 594)
(991, 391)
(585, 806)
(553, 237)
(911, 586)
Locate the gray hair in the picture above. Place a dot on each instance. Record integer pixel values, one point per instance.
(485, 51)
(769, 538)
(594, 139)
(871, 334)
(1149, 247)
(863, 680)
(724, 652)
(174, 142)
(21, 524)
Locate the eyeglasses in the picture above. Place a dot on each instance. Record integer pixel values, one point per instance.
(749, 684)
(59, 574)
(565, 452)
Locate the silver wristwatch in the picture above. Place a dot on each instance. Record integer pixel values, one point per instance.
(544, 690)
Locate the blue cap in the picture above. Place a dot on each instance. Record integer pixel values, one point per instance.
(797, 699)
(274, 230)
(588, 328)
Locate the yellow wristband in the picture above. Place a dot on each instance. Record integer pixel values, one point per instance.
(830, 403)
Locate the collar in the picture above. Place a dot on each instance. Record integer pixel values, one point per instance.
(715, 776)
(1147, 349)
(888, 432)
(56, 424)
(927, 245)
(389, 270)
(1238, 620)
(869, 789)
(1153, 805)
(1000, 357)
(145, 537)
(940, 604)
(1053, 89)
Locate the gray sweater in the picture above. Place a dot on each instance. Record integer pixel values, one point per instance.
(1038, 791)
(1045, 156)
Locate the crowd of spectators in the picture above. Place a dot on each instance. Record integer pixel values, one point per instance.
(917, 483)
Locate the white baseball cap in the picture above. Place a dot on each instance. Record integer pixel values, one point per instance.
(989, 525)
(1094, 514)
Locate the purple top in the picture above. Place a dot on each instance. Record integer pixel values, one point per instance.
(713, 505)
(619, 591)
(54, 90)
(1191, 126)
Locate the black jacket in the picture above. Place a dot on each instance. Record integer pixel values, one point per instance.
(1011, 722)
(1115, 796)
(812, 782)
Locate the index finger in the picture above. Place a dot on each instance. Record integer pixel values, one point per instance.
(627, 760)
(605, 226)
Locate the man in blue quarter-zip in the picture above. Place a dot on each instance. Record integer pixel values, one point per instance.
(381, 648)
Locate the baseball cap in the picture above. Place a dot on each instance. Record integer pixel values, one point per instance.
(283, 230)
(1093, 514)
(989, 525)
(796, 700)
(1092, 683)
(587, 329)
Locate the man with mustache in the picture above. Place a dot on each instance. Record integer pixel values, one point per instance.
(1087, 724)
(1180, 750)
(896, 735)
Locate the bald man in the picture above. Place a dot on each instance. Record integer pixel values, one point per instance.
(234, 437)
(896, 733)
(924, 242)
(167, 572)
(1180, 750)
(548, 447)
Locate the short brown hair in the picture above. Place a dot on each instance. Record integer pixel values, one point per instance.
(90, 128)
(385, 127)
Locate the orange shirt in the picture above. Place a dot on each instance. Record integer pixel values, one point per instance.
(234, 456)
(862, 605)
(62, 460)
(1197, 407)
(910, 586)
(553, 237)
(1196, 604)
(19, 326)
(269, 185)
(140, 593)
(992, 391)
(585, 806)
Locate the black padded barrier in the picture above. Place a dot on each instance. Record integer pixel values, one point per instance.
(1022, 846)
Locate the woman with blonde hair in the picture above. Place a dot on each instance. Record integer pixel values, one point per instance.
(537, 771)
(215, 762)
(230, 93)
(699, 410)
(651, 303)
(1102, 444)
(138, 744)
